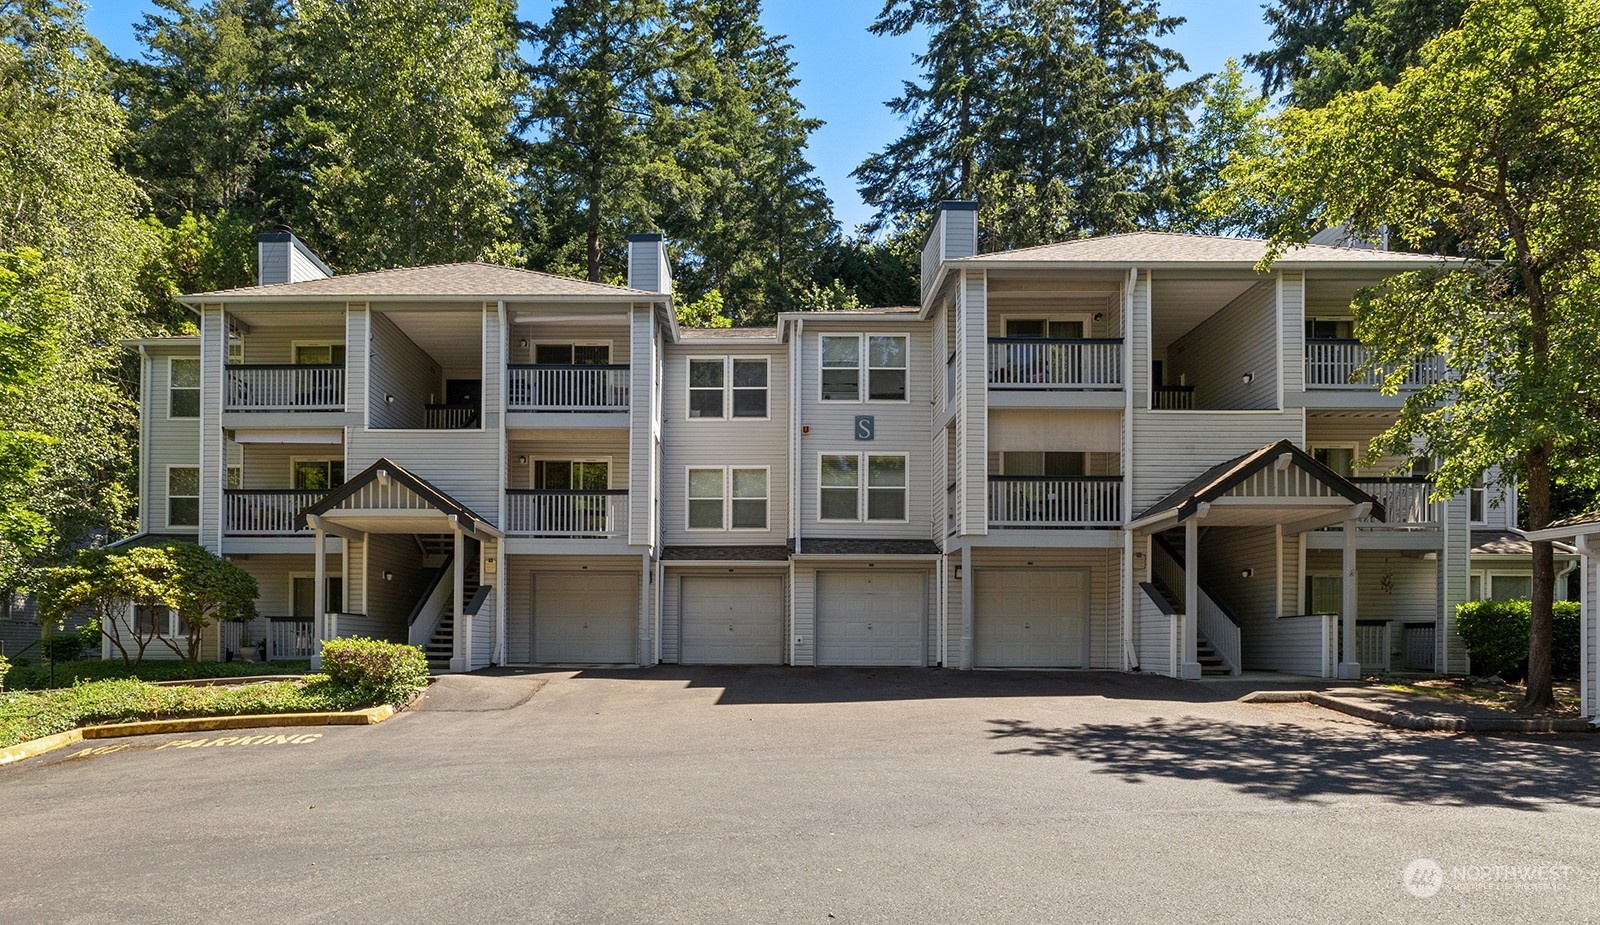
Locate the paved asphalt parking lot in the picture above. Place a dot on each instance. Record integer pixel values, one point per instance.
(809, 795)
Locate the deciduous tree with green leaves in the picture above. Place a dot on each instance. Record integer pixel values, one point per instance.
(1495, 139)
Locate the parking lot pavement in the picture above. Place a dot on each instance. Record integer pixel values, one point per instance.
(827, 795)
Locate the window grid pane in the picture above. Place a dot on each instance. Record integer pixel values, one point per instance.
(706, 379)
(705, 483)
(886, 377)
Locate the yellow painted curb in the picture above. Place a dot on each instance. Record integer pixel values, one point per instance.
(368, 717)
(33, 747)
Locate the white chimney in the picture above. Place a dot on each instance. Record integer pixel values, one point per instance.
(647, 263)
(283, 258)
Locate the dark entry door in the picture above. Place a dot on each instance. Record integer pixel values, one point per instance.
(462, 391)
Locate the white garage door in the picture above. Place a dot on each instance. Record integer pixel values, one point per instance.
(732, 621)
(872, 618)
(585, 618)
(1034, 618)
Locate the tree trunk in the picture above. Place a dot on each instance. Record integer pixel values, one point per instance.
(1541, 629)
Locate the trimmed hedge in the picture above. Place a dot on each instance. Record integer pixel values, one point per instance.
(388, 670)
(33, 674)
(1496, 634)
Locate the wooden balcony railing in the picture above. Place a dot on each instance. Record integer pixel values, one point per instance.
(1055, 502)
(547, 387)
(264, 511)
(285, 387)
(553, 513)
(1331, 363)
(1036, 363)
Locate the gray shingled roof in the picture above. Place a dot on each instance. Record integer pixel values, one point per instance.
(829, 546)
(450, 280)
(1507, 543)
(1147, 247)
(725, 553)
(694, 334)
(1217, 480)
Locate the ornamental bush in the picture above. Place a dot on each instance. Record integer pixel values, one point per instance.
(1496, 634)
(386, 670)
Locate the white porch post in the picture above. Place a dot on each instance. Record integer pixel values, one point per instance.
(463, 627)
(966, 607)
(1190, 667)
(1349, 668)
(319, 596)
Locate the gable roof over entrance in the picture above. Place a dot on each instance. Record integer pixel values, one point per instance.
(385, 498)
(1277, 484)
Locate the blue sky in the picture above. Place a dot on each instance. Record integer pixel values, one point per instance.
(845, 73)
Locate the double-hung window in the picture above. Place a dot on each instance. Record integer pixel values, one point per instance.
(862, 487)
(864, 367)
(183, 393)
(728, 387)
(727, 498)
(302, 595)
(183, 496)
(160, 621)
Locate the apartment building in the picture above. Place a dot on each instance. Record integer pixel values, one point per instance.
(1132, 452)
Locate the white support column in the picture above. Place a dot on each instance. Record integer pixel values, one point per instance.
(967, 581)
(643, 652)
(319, 595)
(1190, 667)
(1349, 668)
(459, 661)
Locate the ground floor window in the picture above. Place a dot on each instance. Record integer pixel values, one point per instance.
(304, 596)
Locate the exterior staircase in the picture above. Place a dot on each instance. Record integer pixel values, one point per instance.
(1211, 664)
(442, 645)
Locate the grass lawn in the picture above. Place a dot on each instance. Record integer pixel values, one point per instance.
(1485, 693)
(36, 675)
(28, 715)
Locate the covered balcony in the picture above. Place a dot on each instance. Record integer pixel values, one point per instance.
(269, 483)
(569, 365)
(567, 387)
(1062, 335)
(284, 362)
(1031, 502)
(567, 513)
(567, 484)
(1337, 363)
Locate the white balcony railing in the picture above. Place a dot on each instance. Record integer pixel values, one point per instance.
(567, 388)
(1033, 363)
(1405, 502)
(264, 512)
(1076, 501)
(1331, 363)
(285, 387)
(587, 514)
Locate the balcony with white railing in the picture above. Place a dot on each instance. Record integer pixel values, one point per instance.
(284, 387)
(545, 387)
(578, 514)
(1055, 502)
(264, 511)
(1038, 363)
(1405, 503)
(1332, 363)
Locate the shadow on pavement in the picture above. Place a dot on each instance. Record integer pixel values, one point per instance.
(781, 684)
(1300, 764)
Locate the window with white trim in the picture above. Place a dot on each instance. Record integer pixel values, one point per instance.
(727, 498)
(235, 349)
(318, 354)
(183, 496)
(183, 392)
(864, 367)
(845, 495)
(728, 387)
(161, 621)
(302, 595)
(1340, 458)
(1478, 501)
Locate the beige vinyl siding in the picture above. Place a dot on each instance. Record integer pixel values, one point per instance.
(389, 603)
(1324, 431)
(610, 329)
(1241, 338)
(1172, 447)
(400, 368)
(273, 574)
(464, 464)
(517, 572)
(643, 480)
(167, 441)
(271, 465)
(357, 360)
(1292, 311)
(972, 415)
(272, 344)
(213, 461)
(737, 442)
(1290, 581)
(1152, 637)
(672, 602)
(559, 444)
(1411, 598)
(483, 635)
(1105, 599)
(1450, 656)
(492, 367)
(902, 429)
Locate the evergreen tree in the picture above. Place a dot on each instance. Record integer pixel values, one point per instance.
(1324, 47)
(596, 115)
(405, 110)
(1231, 126)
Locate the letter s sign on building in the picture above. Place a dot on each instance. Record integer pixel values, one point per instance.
(866, 427)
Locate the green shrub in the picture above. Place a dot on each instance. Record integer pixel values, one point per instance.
(388, 670)
(5, 669)
(1496, 634)
(61, 647)
(28, 676)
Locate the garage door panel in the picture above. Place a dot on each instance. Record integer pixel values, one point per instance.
(1033, 618)
(585, 617)
(731, 621)
(871, 618)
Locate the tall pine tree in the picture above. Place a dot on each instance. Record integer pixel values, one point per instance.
(1325, 47)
